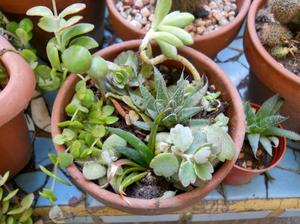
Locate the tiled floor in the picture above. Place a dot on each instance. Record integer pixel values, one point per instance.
(234, 63)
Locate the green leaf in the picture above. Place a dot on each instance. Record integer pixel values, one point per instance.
(59, 139)
(49, 24)
(182, 137)
(167, 49)
(16, 211)
(178, 19)
(12, 26)
(254, 141)
(183, 35)
(26, 216)
(186, 173)
(39, 11)
(72, 9)
(165, 164)
(27, 201)
(30, 57)
(4, 178)
(250, 114)
(93, 170)
(26, 24)
(204, 171)
(202, 155)
(153, 133)
(76, 30)
(222, 140)
(53, 55)
(167, 37)
(77, 59)
(23, 35)
(282, 133)
(132, 178)
(87, 42)
(11, 195)
(65, 159)
(112, 141)
(108, 110)
(134, 142)
(162, 9)
(128, 58)
(162, 94)
(48, 194)
(98, 131)
(47, 172)
(131, 154)
(271, 121)
(98, 69)
(268, 106)
(4, 207)
(266, 143)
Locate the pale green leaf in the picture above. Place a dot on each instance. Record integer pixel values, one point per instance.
(93, 170)
(186, 173)
(165, 164)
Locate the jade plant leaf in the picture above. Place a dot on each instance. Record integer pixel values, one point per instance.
(85, 41)
(164, 164)
(40, 11)
(186, 173)
(76, 30)
(72, 9)
(93, 170)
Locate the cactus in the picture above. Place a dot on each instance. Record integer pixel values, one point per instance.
(280, 52)
(275, 35)
(192, 6)
(286, 11)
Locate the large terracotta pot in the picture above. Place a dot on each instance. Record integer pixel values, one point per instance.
(94, 13)
(157, 206)
(270, 72)
(15, 146)
(209, 44)
(239, 175)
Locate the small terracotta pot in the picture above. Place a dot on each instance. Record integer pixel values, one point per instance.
(15, 146)
(94, 13)
(239, 175)
(210, 44)
(157, 206)
(270, 72)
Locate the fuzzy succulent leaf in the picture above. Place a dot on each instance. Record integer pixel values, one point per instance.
(204, 171)
(182, 137)
(186, 173)
(165, 164)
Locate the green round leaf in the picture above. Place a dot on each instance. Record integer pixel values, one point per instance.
(186, 173)
(93, 170)
(77, 59)
(165, 164)
(98, 69)
(65, 159)
(26, 24)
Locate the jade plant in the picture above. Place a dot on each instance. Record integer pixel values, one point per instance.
(126, 122)
(282, 37)
(262, 125)
(13, 210)
(19, 35)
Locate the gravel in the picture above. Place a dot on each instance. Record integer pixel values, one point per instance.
(219, 13)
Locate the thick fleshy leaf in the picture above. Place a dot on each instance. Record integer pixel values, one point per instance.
(70, 22)
(186, 173)
(183, 35)
(76, 30)
(93, 170)
(282, 133)
(26, 24)
(167, 49)
(178, 19)
(182, 137)
(266, 143)
(254, 142)
(202, 155)
(40, 11)
(165, 164)
(131, 154)
(72, 9)
(65, 159)
(98, 69)
(270, 107)
(27, 201)
(162, 9)
(167, 37)
(204, 171)
(85, 41)
(49, 24)
(112, 141)
(53, 55)
(4, 178)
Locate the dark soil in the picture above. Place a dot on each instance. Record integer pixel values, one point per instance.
(248, 161)
(291, 62)
(149, 187)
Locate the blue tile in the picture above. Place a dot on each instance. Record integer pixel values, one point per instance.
(91, 202)
(255, 189)
(214, 195)
(242, 30)
(237, 44)
(30, 182)
(227, 54)
(289, 161)
(285, 185)
(50, 98)
(65, 194)
(235, 71)
(42, 147)
(243, 61)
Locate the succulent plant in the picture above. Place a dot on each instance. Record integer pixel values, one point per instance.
(262, 125)
(273, 35)
(287, 11)
(12, 210)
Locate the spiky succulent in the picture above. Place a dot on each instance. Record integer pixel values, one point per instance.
(262, 125)
(287, 11)
(275, 35)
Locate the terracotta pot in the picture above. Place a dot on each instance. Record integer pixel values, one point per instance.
(156, 206)
(209, 44)
(15, 147)
(94, 13)
(270, 72)
(239, 175)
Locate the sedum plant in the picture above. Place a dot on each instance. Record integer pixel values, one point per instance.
(12, 209)
(262, 125)
(117, 152)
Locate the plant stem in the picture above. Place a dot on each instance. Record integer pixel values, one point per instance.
(55, 173)
(54, 8)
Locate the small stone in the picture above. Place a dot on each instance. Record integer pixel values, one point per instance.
(199, 22)
(145, 12)
(201, 30)
(259, 152)
(190, 28)
(146, 2)
(231, 18)
(249, 163)
(223, 22)
(139, 4)
(151, 17)
(136, 24)
(241, 155)
(128, 2)
(213, 5)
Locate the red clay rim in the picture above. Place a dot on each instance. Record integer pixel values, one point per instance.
(220, 32)
(278, 158)
(251, 28)
(155, 206)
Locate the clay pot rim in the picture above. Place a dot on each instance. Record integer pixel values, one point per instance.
(282, 145)
(154, 206)
(251, 28)
(197, 38)
(20, 87)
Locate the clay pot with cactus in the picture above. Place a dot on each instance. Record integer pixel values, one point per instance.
(272, 47)
(209, 43)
